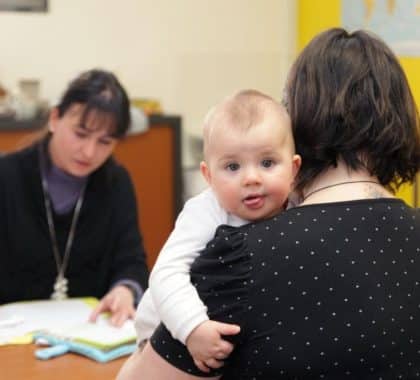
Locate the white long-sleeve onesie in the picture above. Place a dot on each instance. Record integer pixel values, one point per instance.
(171, 298)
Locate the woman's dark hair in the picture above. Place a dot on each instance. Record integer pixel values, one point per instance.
(349, 100)
(100, 92)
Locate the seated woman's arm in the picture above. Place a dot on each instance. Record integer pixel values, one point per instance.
(128, 273)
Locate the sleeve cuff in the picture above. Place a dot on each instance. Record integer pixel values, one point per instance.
(184, 332)
(133, 286)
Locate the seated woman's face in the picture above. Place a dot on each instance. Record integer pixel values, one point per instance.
(80, 149)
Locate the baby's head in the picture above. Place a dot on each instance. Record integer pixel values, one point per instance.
(249, 154)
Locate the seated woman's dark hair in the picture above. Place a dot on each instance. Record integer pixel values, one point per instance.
(100, 92)
(349, 100)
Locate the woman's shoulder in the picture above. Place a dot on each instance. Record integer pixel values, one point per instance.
(222, 273)
(113, 174)
(117, 168)
(226, 252)
(227, 238)
(315, 218)
(372, 207)
(11, 162)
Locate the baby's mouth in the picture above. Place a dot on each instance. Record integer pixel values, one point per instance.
(253, 200)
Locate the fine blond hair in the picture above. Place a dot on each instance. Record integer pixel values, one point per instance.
(242, 111)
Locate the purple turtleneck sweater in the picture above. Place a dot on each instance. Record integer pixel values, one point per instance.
(63, 188)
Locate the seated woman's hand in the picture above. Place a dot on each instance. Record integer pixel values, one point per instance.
(119, 302)
(206, 345)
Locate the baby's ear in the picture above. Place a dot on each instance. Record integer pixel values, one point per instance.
(205, 171)
(297, 162)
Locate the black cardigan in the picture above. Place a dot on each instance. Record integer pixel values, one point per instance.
(107, 246)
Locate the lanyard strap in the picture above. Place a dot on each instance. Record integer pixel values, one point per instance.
(60, 264)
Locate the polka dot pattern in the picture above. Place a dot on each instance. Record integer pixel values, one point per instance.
(327, 291)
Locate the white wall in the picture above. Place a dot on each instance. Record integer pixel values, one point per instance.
(187, 53)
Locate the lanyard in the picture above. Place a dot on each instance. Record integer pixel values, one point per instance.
(60, 286)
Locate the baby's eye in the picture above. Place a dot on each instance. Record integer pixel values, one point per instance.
(232, 167)
(267, 163)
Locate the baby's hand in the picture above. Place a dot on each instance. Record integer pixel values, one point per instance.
(206, 345)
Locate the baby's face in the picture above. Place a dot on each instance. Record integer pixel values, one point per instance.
(252, 171)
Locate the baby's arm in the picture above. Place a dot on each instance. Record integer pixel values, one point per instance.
(175, 298)
(146, 319)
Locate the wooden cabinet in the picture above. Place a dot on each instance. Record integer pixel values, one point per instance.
(153, 160)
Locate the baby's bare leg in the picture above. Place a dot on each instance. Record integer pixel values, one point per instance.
(147, 364)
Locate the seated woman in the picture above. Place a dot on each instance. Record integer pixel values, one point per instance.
(328, 289)
(68, 223)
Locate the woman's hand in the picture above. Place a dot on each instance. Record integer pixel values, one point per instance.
(119, 302)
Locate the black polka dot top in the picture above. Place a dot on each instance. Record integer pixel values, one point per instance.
(325, 291)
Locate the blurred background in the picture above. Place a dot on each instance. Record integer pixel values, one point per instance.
(179, 57)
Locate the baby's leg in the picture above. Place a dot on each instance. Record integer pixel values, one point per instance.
(131, 369)
(149, 365)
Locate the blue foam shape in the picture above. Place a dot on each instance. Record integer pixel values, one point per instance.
(59, 345)
(52, 352)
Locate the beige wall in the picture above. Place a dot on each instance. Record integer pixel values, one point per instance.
(186, 53)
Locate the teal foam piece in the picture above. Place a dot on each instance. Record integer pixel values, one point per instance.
(62, 346)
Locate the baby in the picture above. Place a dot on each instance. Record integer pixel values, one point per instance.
(250, 165)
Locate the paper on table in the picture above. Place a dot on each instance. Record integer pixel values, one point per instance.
(100, 334)
(42, 315)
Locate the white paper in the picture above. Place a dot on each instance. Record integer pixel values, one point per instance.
(64, 317)
(101, 332)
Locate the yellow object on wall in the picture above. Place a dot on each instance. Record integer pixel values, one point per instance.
(316, 16)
